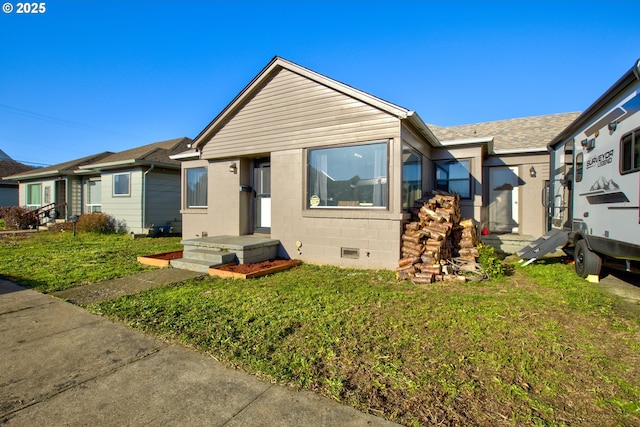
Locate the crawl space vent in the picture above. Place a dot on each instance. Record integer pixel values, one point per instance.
(349, 253)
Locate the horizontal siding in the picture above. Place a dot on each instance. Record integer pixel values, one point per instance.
(292, 112)
(127, 210)
(163, 200)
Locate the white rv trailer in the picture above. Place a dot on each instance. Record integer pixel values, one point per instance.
(593, 196)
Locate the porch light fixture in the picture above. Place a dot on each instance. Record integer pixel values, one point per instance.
(233, 168)
(532, 172)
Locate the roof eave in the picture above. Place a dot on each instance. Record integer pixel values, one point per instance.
(419, 124)
(22, 177)
(97, 167)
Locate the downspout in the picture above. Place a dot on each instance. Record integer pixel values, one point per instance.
(144, 194)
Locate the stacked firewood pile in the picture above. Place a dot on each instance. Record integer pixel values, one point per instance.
(434, 237)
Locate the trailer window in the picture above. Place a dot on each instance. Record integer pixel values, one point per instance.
(630, 152)
(579, 161)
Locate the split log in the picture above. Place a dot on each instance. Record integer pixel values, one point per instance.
(427, 278)
(410, 238)
(403, 262)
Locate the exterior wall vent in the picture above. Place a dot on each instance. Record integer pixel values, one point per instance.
(349, 253)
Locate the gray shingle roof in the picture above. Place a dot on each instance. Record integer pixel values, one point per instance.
(61, 168)
(526, 133)
(157, 152)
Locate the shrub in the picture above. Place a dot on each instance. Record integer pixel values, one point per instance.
(490, 261)
(17, 218)
(96, 222)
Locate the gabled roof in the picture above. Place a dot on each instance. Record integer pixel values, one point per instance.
(526, 134)
(157, 153)
(66, 168)
(276, 65)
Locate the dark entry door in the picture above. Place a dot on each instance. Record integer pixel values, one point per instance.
(61, 198)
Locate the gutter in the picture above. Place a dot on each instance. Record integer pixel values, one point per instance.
(144, 195)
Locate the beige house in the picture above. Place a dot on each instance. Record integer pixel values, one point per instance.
(332, 172)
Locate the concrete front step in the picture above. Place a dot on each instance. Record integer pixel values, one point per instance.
(213, 255)
(201, 259)
(248, 249)
(199, 265)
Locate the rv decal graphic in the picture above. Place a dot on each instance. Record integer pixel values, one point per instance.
(605, 191)
(618, 114)
(600, 160)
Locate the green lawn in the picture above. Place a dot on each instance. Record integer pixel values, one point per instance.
(539, 347)
(54, 261)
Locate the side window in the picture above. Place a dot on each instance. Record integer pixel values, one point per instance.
(121, 184)
(411, 176)
(579, 163)
(196, 183)
(454, 176)
(630, 152)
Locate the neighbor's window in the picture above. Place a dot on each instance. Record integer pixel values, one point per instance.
(94, 195)
(34, 195)
(630, 152)
(453, 176)
(196, 187)
(122, 184)
(348, 177)
(411, 177)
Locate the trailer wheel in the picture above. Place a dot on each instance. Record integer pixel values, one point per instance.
(586, 262)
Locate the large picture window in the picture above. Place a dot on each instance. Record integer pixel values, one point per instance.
(348, 177)
(411, 177)
(34, 195)
(196, 187)
(122, 184)
(630, 152)
(453, 176)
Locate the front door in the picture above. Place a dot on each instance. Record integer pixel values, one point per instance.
(503, 199)
(262, 196)
(61, 198)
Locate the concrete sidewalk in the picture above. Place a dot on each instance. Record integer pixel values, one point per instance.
(61, 365)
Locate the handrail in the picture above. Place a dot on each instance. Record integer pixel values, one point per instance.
(45, 211)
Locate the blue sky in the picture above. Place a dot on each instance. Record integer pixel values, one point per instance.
(91, 76)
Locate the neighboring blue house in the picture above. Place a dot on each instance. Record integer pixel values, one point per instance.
(139, 187)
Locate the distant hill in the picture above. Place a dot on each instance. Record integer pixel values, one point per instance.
(11, 167)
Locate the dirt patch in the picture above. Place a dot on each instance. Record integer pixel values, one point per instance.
(249, 271)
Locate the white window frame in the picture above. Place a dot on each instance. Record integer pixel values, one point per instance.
(93, 207)
(29, 202)
(128, 193)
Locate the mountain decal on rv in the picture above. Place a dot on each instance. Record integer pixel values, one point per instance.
(605, 191)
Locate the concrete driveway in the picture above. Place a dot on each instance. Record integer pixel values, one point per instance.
(61, 365)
